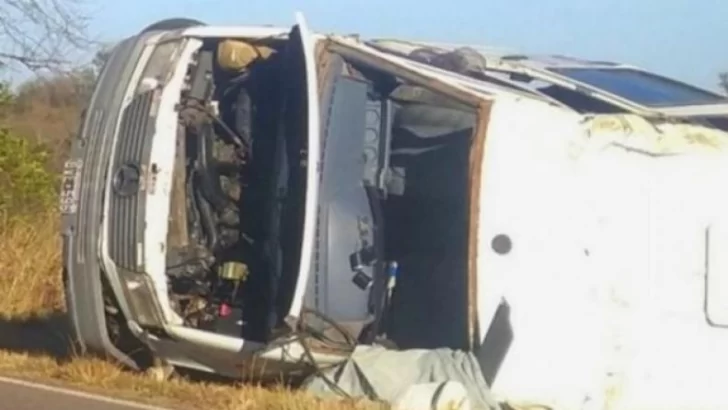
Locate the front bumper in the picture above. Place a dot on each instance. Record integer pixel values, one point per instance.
(82, 221)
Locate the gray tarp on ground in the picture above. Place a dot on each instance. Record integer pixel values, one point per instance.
(382, 374)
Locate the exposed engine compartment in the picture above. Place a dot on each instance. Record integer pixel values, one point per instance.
(213, 233)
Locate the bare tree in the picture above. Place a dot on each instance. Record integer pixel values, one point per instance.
(41, 34)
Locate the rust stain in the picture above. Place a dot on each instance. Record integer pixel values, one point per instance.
(323, 61)
(476, 160)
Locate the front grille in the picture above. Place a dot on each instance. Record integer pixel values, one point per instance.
(126, 197)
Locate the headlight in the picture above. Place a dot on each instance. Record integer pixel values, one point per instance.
(139, 293)
(158, 67)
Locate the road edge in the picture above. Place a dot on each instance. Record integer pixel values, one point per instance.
(79, 394)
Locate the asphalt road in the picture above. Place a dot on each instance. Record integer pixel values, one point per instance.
(22, 395)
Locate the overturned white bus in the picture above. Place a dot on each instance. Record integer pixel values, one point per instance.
(258, 199)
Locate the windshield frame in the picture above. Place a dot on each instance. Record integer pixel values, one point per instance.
(632, 75)
(542, 72)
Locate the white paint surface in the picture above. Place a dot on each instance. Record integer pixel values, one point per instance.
(606, 279)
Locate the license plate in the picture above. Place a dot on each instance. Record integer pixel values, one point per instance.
(70, 185)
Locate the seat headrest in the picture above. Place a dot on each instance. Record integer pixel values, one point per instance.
(237, 55)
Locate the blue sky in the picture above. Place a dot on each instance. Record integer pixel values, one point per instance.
(684, 39)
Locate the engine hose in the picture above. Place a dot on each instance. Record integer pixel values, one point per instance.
(210, 181)
(208, 220)
(210, 188)
(194, 211)
(236, 139)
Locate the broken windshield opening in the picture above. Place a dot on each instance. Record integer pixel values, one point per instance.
(468, 62)
(641, 87)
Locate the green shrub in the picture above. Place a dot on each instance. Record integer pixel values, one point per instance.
(6, 97)
(26, 185)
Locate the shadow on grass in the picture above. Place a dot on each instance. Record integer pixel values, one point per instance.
(49, 335)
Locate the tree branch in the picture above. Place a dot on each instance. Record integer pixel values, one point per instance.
(41, 34)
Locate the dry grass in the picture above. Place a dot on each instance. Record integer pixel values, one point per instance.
(34, 341)
(30, 268)
(99, 376)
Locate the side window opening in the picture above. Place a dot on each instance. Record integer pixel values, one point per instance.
(579, 101)
(394, 197)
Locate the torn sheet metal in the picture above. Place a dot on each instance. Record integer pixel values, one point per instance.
(391, 375)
